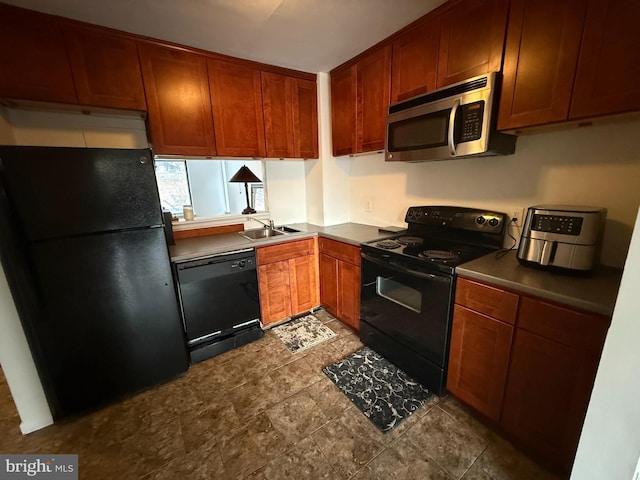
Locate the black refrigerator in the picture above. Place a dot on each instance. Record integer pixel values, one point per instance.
(84, 251)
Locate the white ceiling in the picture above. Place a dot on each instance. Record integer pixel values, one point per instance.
(307, 35)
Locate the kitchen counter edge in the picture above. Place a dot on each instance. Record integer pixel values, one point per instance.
(595, 292)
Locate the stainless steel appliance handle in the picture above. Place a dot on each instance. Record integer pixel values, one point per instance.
(402, 268)
(548, 248)
(452, 124)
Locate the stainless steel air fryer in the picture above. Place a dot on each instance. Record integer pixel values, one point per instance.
(565, 237)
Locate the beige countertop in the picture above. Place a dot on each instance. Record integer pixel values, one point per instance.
(198, 247)
(595, 292)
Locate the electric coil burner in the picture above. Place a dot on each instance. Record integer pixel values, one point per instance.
(408, 284)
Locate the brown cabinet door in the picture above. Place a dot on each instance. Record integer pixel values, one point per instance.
(343, 111)
(278, 115)
(275, 291)
(491, 301)
(105, 69)
(478, 360)
(304, 285)
(236, 97)
(33, 58)
(349, 294)
(607, 79)
(373, 94)
(546, 397)
(179, 107)
(543, 42)
(471, 39)
(415, 60)
(305, 118)
(329, 283)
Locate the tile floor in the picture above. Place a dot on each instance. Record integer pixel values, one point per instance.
(260, 412)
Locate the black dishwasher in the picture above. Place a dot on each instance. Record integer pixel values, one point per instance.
(220, 303)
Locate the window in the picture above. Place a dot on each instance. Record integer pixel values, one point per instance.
(204, 185)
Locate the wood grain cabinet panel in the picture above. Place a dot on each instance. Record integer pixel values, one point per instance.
(343, 111)
(349, 294)
(340, 280)
(177, 93)
(305, 118)
(471, 39)
(105, 68)
(478, 360)
(328, 283)
(275, 291)
(304, 283)
(487, 299)
(609, 64)
(34, 58)
(415, 60)
(541, 55)
(236, 97)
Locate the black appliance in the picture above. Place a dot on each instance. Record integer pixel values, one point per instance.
(85, 254)
(408, 284)
(220, 303)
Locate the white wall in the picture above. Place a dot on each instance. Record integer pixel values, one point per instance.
(610, 443)
(286, 190)
(596, 166)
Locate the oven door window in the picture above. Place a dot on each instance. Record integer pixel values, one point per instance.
(419, 132)
(412, 309)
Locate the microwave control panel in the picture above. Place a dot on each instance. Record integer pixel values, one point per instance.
(472, 115)
(557, 224)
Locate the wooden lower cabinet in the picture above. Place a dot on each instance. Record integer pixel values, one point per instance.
(531, 374)
(340, 280)
(287, 279)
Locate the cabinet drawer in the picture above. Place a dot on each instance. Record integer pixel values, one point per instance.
(341, 251)
(485, 299)
(563, 325)
(284, 251)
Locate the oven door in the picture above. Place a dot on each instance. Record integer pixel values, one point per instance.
(409, 304)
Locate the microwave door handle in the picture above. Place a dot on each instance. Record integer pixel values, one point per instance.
(452, 123)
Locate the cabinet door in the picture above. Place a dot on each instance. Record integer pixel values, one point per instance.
(105, 69)
(177, 92)
(278, 115)
(349, 294)
(33, 58)
(236, 97)
(541, 54)
(305, 118)
(343, 111)
(373, 94)
(471, 40)
(609, 64)
(275, 291)
(478, 360)
(304, 284)
(329, 283)
(415, 60)
(547, 395)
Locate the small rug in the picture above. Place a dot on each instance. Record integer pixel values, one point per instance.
(384, 393)
(303, 333)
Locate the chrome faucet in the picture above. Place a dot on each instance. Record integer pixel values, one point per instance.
(270, 225)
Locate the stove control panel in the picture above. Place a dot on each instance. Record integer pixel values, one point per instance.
(457, 217)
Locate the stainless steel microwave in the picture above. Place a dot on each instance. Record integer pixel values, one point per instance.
(451, 122)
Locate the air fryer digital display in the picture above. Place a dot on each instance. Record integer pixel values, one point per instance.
(557, 224)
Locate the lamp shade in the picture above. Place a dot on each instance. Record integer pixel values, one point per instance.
(244, 175)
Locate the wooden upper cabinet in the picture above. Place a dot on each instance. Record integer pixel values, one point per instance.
(373, 96)
(343, 111)
(236, 97)
(305, 118)
(105, 69)
(415, 60)
(177, 92)
(34, 59)
(472, 39)
(607, 78)
(541, 54)
(290, 116)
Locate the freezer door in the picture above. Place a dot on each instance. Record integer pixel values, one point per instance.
(61, 191)
(109, 322)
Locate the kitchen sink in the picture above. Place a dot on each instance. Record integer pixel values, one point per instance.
(260, 233)
(286, 229)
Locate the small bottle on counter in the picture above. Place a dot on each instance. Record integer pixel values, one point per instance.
(187, 211)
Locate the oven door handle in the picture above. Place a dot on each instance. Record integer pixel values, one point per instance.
(403, 268)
